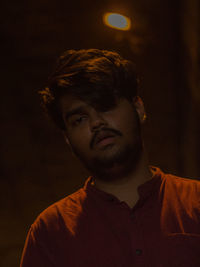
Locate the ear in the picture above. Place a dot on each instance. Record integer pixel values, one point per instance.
(139, 106)
(65, 137)
(68, 142)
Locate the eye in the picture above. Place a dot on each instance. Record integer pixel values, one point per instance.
(79, 119)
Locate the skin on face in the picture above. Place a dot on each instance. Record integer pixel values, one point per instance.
(84, 124)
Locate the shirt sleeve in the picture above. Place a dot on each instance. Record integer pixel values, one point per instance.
(35, 252)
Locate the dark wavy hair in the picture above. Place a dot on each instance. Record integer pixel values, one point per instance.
(95, 76)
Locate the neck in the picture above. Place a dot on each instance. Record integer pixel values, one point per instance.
(125, 189)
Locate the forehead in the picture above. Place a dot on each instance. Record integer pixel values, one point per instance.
(69, 102)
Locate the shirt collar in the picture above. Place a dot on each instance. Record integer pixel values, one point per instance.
(144, 190)
(90, 188)
(149, 187)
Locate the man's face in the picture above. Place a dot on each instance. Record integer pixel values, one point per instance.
(107, 142)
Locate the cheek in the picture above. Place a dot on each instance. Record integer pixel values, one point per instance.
(129, 125)
(80, 139)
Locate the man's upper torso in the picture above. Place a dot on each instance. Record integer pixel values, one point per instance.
(93, 228)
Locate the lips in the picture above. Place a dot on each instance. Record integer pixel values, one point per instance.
(101, 136)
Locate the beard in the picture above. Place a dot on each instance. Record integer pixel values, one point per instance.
(117, 166)
(111, 167)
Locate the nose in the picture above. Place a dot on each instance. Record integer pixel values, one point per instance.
(97, 121)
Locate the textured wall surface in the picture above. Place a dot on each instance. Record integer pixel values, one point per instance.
(37, 168)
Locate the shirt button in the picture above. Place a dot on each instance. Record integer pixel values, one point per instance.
(112, 199)
(138, 251)
(132, 216)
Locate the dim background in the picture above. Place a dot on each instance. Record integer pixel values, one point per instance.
(37, 168)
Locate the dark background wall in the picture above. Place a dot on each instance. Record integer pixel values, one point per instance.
(37, 168)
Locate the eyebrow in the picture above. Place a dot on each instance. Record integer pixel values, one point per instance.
(74, 111)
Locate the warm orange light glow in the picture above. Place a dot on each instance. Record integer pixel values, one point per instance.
(117, 21)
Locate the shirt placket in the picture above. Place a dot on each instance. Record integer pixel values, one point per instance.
(139, 252)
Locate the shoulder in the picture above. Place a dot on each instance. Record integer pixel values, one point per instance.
(180, 198)
(171, 182)
(182, 184)
(61, 212)
(181, 192)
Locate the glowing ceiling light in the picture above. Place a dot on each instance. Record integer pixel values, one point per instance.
(117, 21)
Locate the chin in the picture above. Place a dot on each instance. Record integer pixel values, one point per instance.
(115, 166)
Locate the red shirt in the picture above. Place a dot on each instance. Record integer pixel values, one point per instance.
(94, 229)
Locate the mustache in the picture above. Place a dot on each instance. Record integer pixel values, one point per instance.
(105, 130)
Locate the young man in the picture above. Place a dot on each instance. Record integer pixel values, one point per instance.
(128, 213)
